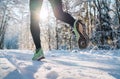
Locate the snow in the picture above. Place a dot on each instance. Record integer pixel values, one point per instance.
(60, 64)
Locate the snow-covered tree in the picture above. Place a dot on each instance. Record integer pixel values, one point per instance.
(4, 15)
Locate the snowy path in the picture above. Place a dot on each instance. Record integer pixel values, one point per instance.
(16, 64)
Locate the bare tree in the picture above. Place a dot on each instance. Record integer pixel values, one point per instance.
(3, 23)
(118, 9)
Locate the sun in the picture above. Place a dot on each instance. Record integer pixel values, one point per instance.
(43, 13)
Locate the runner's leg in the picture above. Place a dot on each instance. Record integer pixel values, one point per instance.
(35, 6)
(60, 14)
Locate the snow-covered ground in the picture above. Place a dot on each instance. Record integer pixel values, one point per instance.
(60, 64)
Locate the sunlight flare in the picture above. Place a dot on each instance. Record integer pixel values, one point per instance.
(43, 14)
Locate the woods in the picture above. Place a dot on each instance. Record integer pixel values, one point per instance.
(102, 18)
(3, 21)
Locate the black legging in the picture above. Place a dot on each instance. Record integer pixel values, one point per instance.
(35, 6)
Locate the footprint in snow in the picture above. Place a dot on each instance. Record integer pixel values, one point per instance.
(48, 67)
(5, 68)
(52, 75)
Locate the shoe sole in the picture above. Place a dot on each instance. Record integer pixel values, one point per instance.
(83, 39)
(39, 59)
